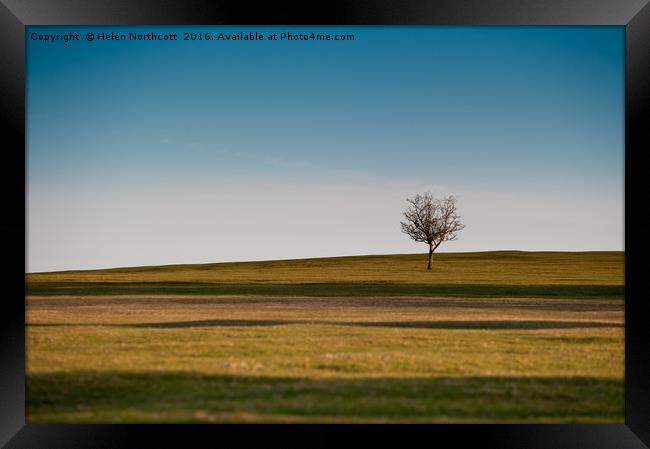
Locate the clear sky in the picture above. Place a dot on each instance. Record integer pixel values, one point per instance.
(146, 153)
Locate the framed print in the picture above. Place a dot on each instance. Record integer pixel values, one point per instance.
(298, 217)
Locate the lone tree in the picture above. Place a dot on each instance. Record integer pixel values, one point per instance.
(431, 221)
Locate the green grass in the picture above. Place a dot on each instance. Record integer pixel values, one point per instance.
(496, 268)
(184, 397)
(67, 288)
(496, 337)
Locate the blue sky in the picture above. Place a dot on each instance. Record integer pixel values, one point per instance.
(147, 152)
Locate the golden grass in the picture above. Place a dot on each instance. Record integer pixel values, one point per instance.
(90, 344)
(101, 352)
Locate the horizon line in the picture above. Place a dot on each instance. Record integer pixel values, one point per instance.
(167, 265)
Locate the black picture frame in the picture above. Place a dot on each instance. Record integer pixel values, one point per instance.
(16, 14)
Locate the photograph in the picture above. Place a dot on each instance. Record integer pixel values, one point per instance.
(325, 224)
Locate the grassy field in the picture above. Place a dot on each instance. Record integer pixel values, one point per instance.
(483, 337)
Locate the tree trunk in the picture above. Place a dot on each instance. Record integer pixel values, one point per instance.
(430, 256)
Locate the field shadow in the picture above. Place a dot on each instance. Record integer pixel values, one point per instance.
(486, 325)
(90, 396)
(214, 323)
(451, 325)
(331, 289)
